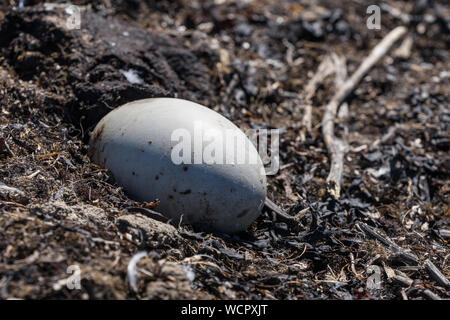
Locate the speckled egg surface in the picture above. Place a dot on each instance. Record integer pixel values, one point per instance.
(202, 168)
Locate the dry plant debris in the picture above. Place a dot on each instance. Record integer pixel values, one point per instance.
(262, 64)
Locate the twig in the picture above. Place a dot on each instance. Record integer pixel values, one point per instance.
(387, 242)
(4, 147)
(403, 281)
(280, 212)
(325, 69)
(377, 53)
(131, 269)
(436, 274)
(352, 266)
(396, 13)
(444, 233)
(372, 260)
(50, 155)
(34, 174)
(391, 132)
(431, 295)
(335, 147)
(403, 293)
(406, 281)
(406, 256)
(150, 213)
(12, 203)
(4, 286)
(10, 191)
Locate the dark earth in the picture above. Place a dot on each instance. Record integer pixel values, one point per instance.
(385, 237)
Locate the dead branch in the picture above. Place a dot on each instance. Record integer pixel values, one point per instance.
(335, 147)
(150, 213)
(280, 212)
(405, 256)
(352, 266)
(431, 295)
(387, 242)
(436, 274)
(377, 53)
(444, 233)
(10, 191)
(326, 68)
(405, 281)
(5, 148)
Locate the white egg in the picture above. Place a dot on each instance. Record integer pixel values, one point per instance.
(202, 168)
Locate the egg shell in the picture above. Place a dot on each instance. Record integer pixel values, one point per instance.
(135, 142)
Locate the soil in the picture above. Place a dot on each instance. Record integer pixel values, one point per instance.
(250, 61)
